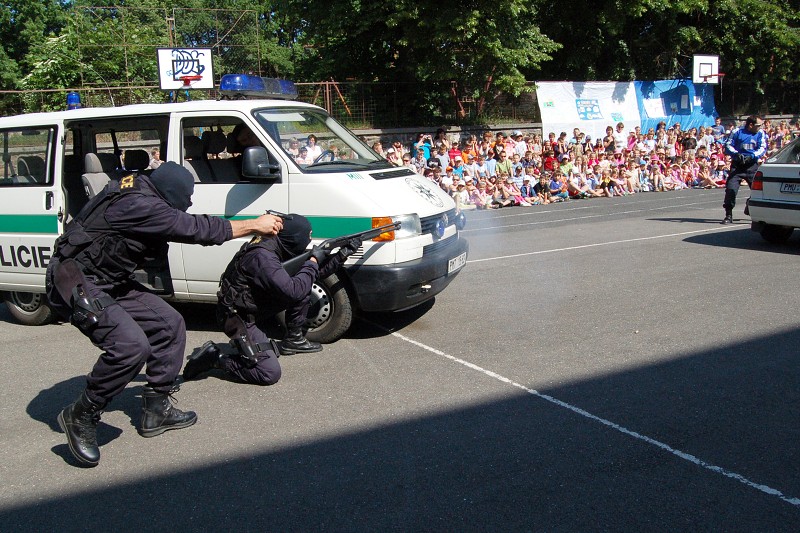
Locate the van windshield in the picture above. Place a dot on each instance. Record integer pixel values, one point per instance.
(316, 142)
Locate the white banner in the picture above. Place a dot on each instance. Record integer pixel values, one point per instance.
(590, 106)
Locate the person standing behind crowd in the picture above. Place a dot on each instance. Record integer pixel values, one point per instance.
(314, 150)
(90, 281)
(745, 146)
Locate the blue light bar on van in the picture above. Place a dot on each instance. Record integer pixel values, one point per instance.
(73, 100)
(249, 86)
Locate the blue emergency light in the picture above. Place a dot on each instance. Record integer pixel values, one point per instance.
(249, 86)
(73, 100)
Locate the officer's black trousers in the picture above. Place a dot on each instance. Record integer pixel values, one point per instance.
(139, 329)
(267, 371)
(734, 181)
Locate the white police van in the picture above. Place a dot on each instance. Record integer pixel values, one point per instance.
(54, 162)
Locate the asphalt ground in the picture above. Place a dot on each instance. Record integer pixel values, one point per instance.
(624, 364)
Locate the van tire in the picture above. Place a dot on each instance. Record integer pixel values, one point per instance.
(29, 308)
(331, 311)
(776, 234)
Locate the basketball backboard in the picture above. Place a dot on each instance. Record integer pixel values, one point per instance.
(705, 69)
(175, 65)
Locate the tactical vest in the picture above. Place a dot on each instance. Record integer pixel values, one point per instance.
(101, 250)
(235, 293)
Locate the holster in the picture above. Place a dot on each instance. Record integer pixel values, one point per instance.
(247, 349)
(70, 282)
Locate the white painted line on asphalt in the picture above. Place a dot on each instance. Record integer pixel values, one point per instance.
(577, 410)
(593, 245)
(585, 217)
(560, 208)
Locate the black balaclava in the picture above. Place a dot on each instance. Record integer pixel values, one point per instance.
(174, 183)
(295, 236)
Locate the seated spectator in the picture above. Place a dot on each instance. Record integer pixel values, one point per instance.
(480, 195)
(527, 191)
(377, 146)
(704, 177)
(542, 190)
(606, 185)
(645, 184)
(558, 187)
(720, 173)
(462, 198)
(303, 157)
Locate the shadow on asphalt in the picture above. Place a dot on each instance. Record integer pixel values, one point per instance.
(520, 463)
(745, 239)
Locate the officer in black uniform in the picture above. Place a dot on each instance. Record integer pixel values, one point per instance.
(90, 281)
(256, 282)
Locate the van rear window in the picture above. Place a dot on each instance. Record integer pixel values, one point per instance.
(27, 156)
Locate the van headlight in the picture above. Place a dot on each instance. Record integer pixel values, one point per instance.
(409, 226)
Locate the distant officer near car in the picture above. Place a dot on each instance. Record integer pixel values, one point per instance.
(746, 146)
(257, 284)
(90, 281)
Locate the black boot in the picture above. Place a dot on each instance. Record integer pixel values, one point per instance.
(208, 357)
(79, 421)
(296, 342)
(158, 414)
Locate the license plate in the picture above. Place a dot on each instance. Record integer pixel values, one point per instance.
(456, 263)
(790, 187)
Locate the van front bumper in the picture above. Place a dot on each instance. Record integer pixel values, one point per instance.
(405, 285)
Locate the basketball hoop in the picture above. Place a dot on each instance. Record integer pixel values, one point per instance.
(189, 80)
(713, 78)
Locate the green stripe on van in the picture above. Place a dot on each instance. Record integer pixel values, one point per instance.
(29, 224)
(328, 227)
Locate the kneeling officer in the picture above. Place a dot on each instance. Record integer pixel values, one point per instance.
(256, 282)
(90, 281)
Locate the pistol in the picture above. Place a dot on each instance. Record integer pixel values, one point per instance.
(278, 214)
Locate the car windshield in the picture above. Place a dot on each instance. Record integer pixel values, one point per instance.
(316, 142)
(789, 155)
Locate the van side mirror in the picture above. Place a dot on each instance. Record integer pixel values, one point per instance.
(256, 164)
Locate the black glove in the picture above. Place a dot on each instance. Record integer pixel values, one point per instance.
(349, 248)
(748, 160)
(319, 253)
(738, 160)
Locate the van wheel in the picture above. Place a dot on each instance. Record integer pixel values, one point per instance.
(29, 308)
(776, 234)
(331, 313)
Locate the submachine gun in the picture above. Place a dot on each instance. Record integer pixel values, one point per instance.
(293, 265)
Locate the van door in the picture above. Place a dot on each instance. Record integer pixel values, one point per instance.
(210, 150)
(32, 206)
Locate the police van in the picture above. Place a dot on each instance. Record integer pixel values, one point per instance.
(247, 155)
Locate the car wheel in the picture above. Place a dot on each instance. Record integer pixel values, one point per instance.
(29, 308)
(776, 234)
(331, 312)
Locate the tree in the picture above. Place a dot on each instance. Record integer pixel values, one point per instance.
(478, 49)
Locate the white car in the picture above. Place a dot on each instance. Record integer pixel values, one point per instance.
(775, 195)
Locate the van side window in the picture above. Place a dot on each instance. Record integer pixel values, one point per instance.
(212, 148)
(27, 156)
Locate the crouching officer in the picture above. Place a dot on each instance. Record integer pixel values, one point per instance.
(90, 282)
(256, 282)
